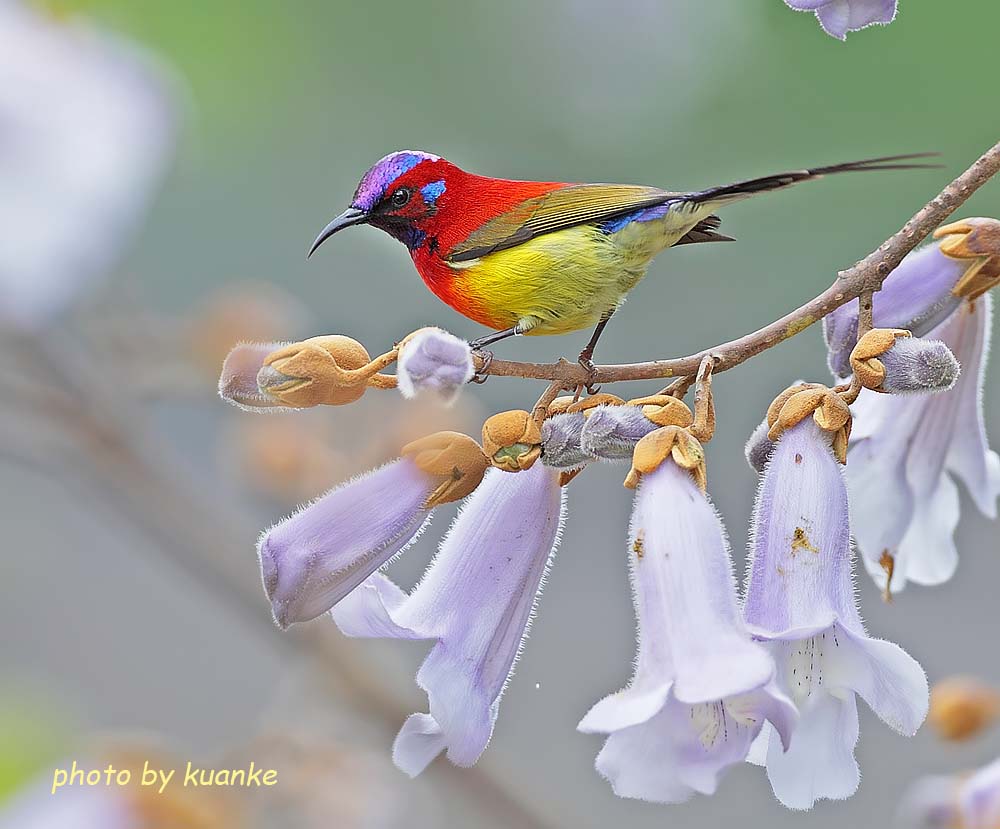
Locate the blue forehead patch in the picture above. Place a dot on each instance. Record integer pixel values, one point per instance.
(381, 176)
(432, 192)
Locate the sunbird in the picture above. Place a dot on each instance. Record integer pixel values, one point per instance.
(530, 257)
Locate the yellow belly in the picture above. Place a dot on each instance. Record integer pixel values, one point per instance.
(567, 280)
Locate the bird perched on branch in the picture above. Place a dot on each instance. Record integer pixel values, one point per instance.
(526, 257)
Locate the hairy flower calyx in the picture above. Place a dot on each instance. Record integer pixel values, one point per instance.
(672, 442)
(330, 370)
(664, 410)
(454, 458)
(865, 362)
(978, 240)
(512, 440)
(827, 408)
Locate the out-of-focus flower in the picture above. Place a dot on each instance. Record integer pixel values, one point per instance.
(701, 689)
(434, 360)
(800, 598)
(890, 360)
(318, 555)
(246, 312)
(838, 17)
(238, 379)
(962, 801)
(475, 601)
(88, 128)
(962, 707)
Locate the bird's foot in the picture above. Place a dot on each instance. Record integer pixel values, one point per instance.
(588, 365)
(480, 376)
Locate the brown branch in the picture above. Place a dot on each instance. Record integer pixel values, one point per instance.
(863, 278)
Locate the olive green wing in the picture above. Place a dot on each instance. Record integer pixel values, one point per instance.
(575, 204)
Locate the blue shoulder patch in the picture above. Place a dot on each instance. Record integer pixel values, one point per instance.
(646, 214)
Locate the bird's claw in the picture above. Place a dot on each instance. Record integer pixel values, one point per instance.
(480, 377)
(591, 370)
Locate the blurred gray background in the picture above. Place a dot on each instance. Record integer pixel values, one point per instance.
(132, 496)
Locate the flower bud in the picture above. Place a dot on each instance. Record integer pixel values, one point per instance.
(456, 459)
(759, 447)
(961, 707)
(892, 361)
(611, 432)
(664, 410)
(976, 241)
(669, 441)
(561, 447)
(433, 360)
(329, 370)
(827, 408)
(512, 440)
(238, 381)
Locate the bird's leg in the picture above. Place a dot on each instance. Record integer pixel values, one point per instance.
(587, 355)
(489, 339)
(495, 337)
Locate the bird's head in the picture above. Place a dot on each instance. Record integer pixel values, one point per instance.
(401, 194)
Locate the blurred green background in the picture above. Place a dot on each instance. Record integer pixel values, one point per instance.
(285, 105)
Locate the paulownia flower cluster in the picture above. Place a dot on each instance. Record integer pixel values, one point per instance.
(769, 674)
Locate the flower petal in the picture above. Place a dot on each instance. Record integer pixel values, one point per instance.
(434, 360)
(820, 761)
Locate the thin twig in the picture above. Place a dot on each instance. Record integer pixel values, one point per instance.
(863, 277)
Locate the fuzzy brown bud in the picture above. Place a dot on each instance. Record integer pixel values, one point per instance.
(328, 370)
(512, 440)
(978, 240)
(962, 707)
(455, 458)
(667, 442)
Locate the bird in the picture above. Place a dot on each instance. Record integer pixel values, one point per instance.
(545, 258)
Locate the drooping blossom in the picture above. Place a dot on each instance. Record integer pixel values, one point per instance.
(436, 361)
(475, 602)
(838, 17)
(315, 557)
(891, 361)
(907, 452)
(702, 689)
(800, 598)
(88, 128)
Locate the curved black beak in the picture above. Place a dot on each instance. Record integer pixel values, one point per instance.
(351, 216)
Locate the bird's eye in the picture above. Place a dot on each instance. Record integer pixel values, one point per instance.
(400, 197)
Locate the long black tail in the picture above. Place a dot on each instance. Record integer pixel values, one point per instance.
(743, 189)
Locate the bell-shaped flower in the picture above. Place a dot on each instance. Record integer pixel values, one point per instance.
(315, 557)
(476, 601)
(838, 17)
(702, 689)
(907, 452)
(891, 361)
(433, 360)
(800, 598)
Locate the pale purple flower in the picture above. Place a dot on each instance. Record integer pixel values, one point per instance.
(434, 360)
(759, 447)
(476, 601)
(800, 598)
(916, 297)
(907, 453)
(970, 801)
(611, 432)
(838, 17)
(70, 807)
(319, 554)
(88, 128)
(702, 689)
